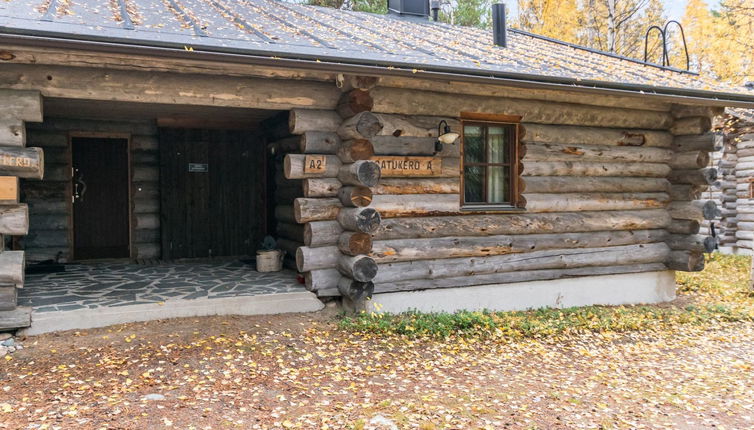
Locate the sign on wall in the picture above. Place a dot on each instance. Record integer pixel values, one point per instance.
(315, 164)
(198, 167)
(399, 165)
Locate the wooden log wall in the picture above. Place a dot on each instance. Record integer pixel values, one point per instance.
(693, 140)
(16, 161)
(50, 218)
(593, 183)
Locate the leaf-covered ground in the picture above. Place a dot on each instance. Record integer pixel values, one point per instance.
(685, 365)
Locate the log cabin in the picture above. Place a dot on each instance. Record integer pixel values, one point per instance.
(400, 162)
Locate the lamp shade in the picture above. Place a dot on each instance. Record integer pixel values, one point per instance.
(448, 138)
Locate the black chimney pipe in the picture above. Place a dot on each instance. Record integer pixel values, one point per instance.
(434, 5)
(498, 24)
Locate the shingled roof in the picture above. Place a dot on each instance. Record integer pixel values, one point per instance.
(275, 29)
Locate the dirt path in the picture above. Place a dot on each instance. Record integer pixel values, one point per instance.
(300, 371)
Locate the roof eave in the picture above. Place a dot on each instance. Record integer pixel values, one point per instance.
(345, 65)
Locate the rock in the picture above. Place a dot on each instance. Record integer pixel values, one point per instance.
(11, 348)
(19, 347)
(5, 336)
(3, 351)
(378, 422)
(8, 342)
(153, 397)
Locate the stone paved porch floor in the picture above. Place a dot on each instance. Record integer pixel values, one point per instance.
(110, 285)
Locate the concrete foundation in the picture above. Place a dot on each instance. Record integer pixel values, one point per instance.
(79, 319)
(624, 289)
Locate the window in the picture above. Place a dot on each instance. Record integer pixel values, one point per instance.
(490, 165)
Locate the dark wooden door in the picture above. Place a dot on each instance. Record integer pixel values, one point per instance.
(100, 200)
(212, 192)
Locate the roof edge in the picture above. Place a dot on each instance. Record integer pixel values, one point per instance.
(343, 65)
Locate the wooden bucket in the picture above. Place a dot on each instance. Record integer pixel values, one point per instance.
(270, 260)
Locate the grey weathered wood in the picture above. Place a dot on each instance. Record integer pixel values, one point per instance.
(21, 105)
(596, 153)
(686, 242)
(355, 196)
(360, 268)
(418, 186)
(290, 231)
(685, 261)
(321, 233)
(488, 225)
(303, 120)
(354, 102)
(355, 149)
(685, 192)
(355, 243)
(413, 126)
(310, 258)
(322, 279)
(354, 290)
(694, 210)
(401, 145)
(582, 168)
(362, 172)
(12, 133)
(572, 202)
(319, 142)
(321, 187)
(15, 319)
(684, 111)
(14, 220)
(451, 247)
(690, 160)
(318, 209)
(22, 162)
(365, 220)
(691, 125)
(413, 102)
(285, 213)
(694, 176)
(8, 297)
(364, 125)
(576, 135)
(583, 184)
(695, 142)
(12, 266)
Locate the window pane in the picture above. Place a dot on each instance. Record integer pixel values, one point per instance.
(473, 145)
(497, 184)
(473, 184)
(496, 137)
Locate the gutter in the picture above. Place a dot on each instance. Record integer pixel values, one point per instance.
(338, 65)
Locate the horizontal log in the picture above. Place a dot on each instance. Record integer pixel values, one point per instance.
(451, 247)
(366, 220)
(360, 268)
(573, 202)
(12, 133)
(418, 186)
(690, 160)
(695, 142)
(289, 247)
(285, 213)
(413, 126)
(364, 125)
(321, 187)
(521, 268)
(303, 120)
(684, 111)
(697, 243)
(694, 210)
(354, 102)
(578, 168)
(595, 153)
(15, 319)
(575, 184)
(310, 258)
(321, 233)
(12, 268)
(354, 243)
(22, 162)
(21, 105)
(318, 209)
(14, 220)
(319, 142)
(694, 176)
(354, 290)
(294, 167)
(288, 231)
(417, 146)
(322, 279)
(8, 297)
(488, 225)
(404, 101)
(684, 226)
(685, 261)
(691, 125)
(685, 192)
(287, 144)
(575, 135)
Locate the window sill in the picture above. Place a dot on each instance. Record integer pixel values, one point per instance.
(491, 208)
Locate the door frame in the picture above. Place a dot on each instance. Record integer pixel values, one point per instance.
(69, 195)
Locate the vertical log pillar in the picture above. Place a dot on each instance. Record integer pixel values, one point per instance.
(16, 161)
(689, 177)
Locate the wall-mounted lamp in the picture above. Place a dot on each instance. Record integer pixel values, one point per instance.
(444, 136)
